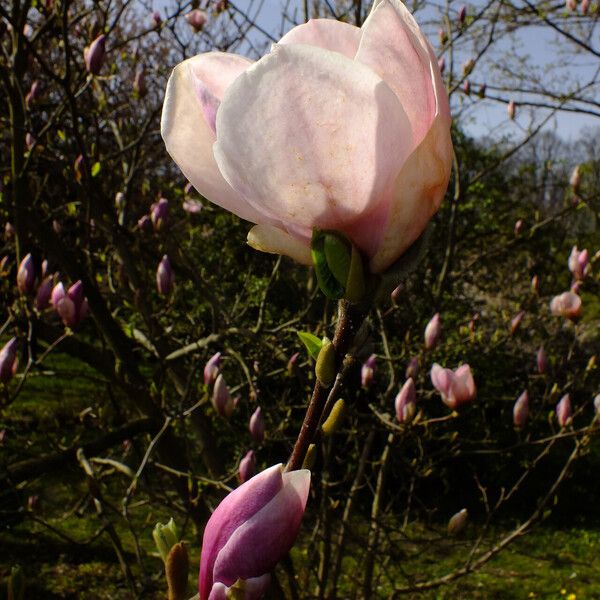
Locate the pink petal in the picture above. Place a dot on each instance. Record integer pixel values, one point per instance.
(441, 378)
(334, 161)
(267, 238)
(394, 47)
(326, 33)
(189, 137)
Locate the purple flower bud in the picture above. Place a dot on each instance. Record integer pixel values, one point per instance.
(221, 398)
(456, 387)
(159, 214)
(65, 307)
(94, 55)
(42, 298)
(292, 365)
(433, 332)
(257, 426)
(9, 231)
(535, 284)
(563, 410)
(164, 276)
(8, 360)
(578, 263)
(155, 19)
(511, 109)
(462, 14)
(442, 64)
(34, 93)
(442, 35)
(412, 369)
(212, 369)
(521, 410)
(396, 293)
(406, 402)
(367, 371)
(144, 223)
(139, 83)
(26, 275)
(542, 361)
(196, 19)
(467, 87)
(247, 467)
(516, 322)
(250, 531)
(567, 304)
(518, 227)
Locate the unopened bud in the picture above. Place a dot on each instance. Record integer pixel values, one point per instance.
(310, 458)
(247, 467)
(518, 227)
(325, 369)
(516, 322)
(458, 522)
(8, 360)
(564, 411)
(521, 410)
(164, 276)
(367, 371)
(221, 398)
(433, 332)
(462, 14)
(165, 537)
(406, 402)
(575, 179)
(42, 297)
(177, 568)
(257, 426)
(412, 369)
(26, 275)
(511, 109)
(95, 54)
(542, 361)
(335, 418)
(212, 369)
(292, 365)
(159, 214)
(196, 19)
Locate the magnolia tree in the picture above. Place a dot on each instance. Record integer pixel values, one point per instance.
(401, 364)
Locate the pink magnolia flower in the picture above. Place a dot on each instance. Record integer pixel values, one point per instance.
(196, 19)
(42, 297)
(579, 262)
(221, 398)
(95, 54)
(247, 467)
(26, 275)
(564, 410)
(516, 321)
(164, 276)
(250, 531)
(521, 410)
(406, 402)
(433, 332)
(567, 304)
(71, 305)
(8, 360)
(212, 369)
(338, 127)
(456, 387)
(367, 371)
(257, 426)
(462, 14)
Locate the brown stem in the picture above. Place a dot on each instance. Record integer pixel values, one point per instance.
(350, 317)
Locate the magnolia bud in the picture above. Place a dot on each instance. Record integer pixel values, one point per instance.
(442, 64)
(159, 214)
(196, 19)
(292, 365)
(467, 67)
(575, 179)
(458, 522)
(467, 87)
(563, 410)
(462, 14)
(443, 35)
(42, 298)
(164, 276)
(412, 369)
(367, 371)
(585, 6)
(165, 537)
(155, 19)
(221, 398)
(247, 467)
(542, 361)
(396, 293)
(519, 226)
(177, 567)
(516, 322)
(26, 275)
(433, 332)
(597, 404)
(335, 418)
(325, 367)
(8, 360)
(571, 5)
(482, 90)
(521, 410)
(535, 284)
(511, 109)
(95, 54)
(406, 402)
(212, 369)
(139, 83)
(257, 426)
(144, 223)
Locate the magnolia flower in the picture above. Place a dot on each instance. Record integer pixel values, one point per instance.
(578, 262)
(42, 297)
(406, 402)
(521, 410)
(159, 214)
(221, 397)
(257, 426)
(8, 360)
(367, 371)
(567, 304)
(462, 14)
(433, 332)
(336, 128)
(249, 532)
(456, 387)
(196, 19)
(95, 54)
(212, 369)
(518, 226)
(247, 467)
(71, 305)
(563, 410)
(164, 276)
(26, 275)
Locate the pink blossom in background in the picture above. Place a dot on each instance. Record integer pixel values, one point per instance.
(212, 369)
(247, 467)
(456, 387)
(8, 360)
(276, 141)
(222, 401)
(521, 410)
(406, 402)
(578, 262)
(367, 371)
(257, 426)
(564, 410)
(567, 304)
(433, 332)
(196, 19)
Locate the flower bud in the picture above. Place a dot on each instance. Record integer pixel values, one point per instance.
(164, 276)
(412, 369)
(458, 522)
(467, 67)
(442, 35)
(34, 93)
(535, 284)
(292, 365)
(26, 275)
(155, 19)
(177, 568)
(516, 322)
(433, 332)
(571, 5)
(159, 214)
(144, 223)
(462, 14)
(165, 537)
(95, 54)
(511, 109)
(310, 458)
(8, 360)
(578, 263)
(335, 418)
(406, 402)
(564, 411)
(9, 231)
(456, 387)
(119, 201)
(247, 467)
(42, 297)
(196, 19)
(396, 293)
(585, 6)
(221, 398)
(139, 83)
(325, 367)
(71, 306)
(467, 87)
(575, 178)
(521, 410)
(257, 426)
(542, 361)
(597, 404)
(442, 64)
(567, 304)
(518, 227)
(212, 369)
(367, 371)
(249, 532)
